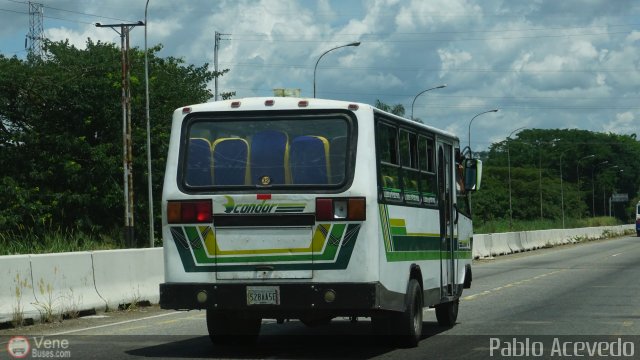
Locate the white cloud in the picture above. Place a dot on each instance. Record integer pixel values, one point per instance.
(633, 37)
(79, 38)
(624, 123)
(547, 63)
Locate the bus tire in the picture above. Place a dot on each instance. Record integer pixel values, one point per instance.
(408, 324)
(230, 328)
(447, 313)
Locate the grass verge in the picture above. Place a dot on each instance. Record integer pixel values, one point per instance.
(500, 226)
(53, 241)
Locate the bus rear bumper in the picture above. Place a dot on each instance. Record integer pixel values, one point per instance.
(292, 299)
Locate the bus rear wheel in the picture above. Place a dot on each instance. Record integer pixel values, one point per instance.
(447, 313)
(408, 324)
(232, 328)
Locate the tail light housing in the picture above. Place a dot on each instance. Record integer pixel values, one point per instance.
(189, 212)
(341, 209)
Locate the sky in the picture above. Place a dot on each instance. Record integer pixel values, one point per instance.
(546, 64)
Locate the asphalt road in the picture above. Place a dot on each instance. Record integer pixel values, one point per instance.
(562, 301)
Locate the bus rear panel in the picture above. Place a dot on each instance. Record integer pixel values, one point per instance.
(310, 209)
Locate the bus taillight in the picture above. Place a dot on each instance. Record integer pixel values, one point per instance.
(183, 212)
(336, 209)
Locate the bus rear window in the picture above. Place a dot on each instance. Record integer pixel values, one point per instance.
(266, 152)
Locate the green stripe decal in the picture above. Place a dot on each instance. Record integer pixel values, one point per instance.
(416, 243)
(398, 231)
(340, 239)
(401, 245)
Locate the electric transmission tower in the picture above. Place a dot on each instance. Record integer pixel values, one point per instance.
(35, 38)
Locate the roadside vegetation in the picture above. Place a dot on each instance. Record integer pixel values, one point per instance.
(28, 241)
(500, 226)
(61, 155)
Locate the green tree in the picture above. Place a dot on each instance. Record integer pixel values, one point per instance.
(397, 109)
(593, 165)
(61, 134)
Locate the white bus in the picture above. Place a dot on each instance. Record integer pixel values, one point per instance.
(288, 208)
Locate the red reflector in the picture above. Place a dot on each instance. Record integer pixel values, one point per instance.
(324, 209)
(235, 104)
(357, 209)
(353, 107)
(269, 102)
(198, 211)
(186, 110)
(303, 103)
(263, 196)
(341, 209)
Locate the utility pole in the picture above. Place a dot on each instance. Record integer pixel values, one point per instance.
(216, 48)
(127, 157)
(36, 30)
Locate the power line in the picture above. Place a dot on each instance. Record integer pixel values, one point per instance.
(15, 11)
(87, 14)
(450, 32)
(416, 68)
(446, 40)
(64, 10)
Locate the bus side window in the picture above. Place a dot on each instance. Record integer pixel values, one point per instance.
(389, 162)
(427, 171)
(409, 162)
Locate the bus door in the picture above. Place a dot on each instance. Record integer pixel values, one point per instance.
(446, 211)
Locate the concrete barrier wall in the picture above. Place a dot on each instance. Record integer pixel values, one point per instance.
(63, 283)
(508, 243)
(16, 289)
(128, 276)
(479, 248)
(35, 286)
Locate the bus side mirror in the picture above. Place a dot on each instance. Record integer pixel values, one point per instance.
(472, 174)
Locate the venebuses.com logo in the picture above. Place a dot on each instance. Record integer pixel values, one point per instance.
(19, 347)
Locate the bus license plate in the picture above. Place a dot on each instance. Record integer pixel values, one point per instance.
(263, 295)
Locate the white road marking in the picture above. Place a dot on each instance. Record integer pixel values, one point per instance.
(114, 324)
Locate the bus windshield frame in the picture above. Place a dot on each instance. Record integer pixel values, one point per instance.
(285, 151)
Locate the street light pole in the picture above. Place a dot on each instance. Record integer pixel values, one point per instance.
(593, 188)
(612, 189)
(604, 192)
(422, 92)
(578, 174)
(540, 177)
(127, 152)
(148, 118)
(562, 188)
(509, 167)
(484, 112)
(357, 43)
